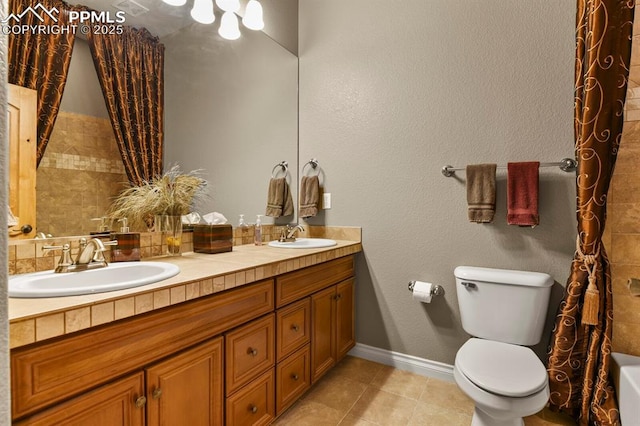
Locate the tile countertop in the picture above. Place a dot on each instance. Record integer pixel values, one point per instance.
(33, 320)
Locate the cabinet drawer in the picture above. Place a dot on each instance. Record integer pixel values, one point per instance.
(254, 404)
(249, 351)
(293, 378)
(298, 284)
(47, 373)
(292, 325)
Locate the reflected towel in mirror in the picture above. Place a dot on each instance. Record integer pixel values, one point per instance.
(279, 200)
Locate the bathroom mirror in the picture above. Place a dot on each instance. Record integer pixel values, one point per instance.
(231, 111)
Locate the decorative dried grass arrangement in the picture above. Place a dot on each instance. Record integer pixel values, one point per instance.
(171, 194)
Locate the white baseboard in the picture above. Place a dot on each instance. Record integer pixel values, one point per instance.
(414, 364)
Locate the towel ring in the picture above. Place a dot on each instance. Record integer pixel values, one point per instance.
(285, 169)
(314, 165)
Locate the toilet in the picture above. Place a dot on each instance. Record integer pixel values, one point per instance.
(504, 311)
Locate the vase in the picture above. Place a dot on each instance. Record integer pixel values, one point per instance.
(172, 234)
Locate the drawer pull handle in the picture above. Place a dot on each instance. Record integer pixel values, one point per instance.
(253, 409)
(141, 401)
(252, 351)
(157, 393)
(294, 376)
(295, 327)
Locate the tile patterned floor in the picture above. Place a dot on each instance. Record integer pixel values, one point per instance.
(364, 393)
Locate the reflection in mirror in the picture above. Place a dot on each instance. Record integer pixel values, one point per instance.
(232, 113)
(230, 110)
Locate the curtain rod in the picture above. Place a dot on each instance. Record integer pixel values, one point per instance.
(566, 165)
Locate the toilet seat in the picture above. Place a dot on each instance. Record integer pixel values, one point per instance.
(501, 368)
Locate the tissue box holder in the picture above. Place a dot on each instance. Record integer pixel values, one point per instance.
(212, 238)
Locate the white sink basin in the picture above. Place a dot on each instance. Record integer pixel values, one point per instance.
(116, 276)
(304, 243)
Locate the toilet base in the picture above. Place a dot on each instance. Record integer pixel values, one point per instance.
(480, 418)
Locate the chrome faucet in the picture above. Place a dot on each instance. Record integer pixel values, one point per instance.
(288, 236)
(90, 255)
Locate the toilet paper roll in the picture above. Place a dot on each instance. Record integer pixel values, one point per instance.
(422, 291)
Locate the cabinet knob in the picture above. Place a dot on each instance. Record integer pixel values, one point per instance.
(252, 351)
(141, 401)
(294, 376)
(338, 296)
(157, 393)
(295, 327)
(253, 409)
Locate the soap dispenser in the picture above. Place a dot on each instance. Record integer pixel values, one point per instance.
(257, 233)
(127, 248)
(103, 228)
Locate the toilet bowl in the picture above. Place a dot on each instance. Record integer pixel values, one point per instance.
(505, 311)
(506, 382)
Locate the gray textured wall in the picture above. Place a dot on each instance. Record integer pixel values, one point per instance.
(390, 92)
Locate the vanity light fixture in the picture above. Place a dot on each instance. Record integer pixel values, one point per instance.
(202, 11)
(229, 5)
(253, 16)
(176, 2)
(229, 26)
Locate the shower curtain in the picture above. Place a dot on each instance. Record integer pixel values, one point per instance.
(579, 357)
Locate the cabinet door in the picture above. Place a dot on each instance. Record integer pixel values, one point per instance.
(186, 389)
(345, 318)
(323, 329)
(118, 403)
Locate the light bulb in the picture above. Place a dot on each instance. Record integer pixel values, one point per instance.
(253, 16)
(175, 2)
(203, 11)
(229, 26)
(229, 5)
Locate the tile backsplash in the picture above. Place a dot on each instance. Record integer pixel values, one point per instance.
(28, 256)
(80, 173)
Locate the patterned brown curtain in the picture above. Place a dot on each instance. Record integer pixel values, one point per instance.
(579, 357)
(130, 68)
(40, 60)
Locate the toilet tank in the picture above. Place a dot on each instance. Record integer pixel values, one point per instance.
(504, 305)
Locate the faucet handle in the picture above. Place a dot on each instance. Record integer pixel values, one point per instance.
(65, 258)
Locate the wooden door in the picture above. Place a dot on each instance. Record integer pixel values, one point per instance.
(323, 329)
(345, 318)
(118, 403)
(22, 160)
(186, 389)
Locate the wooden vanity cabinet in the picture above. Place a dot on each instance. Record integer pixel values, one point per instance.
(239, 357)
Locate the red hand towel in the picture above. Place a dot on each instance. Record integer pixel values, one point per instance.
(522, 193)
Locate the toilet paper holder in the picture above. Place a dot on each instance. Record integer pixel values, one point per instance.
(437, 290)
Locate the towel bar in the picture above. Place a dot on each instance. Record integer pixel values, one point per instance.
(285, 169)
(566, 165)
(313, 163)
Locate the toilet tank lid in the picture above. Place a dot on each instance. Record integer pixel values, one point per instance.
(504, 276)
